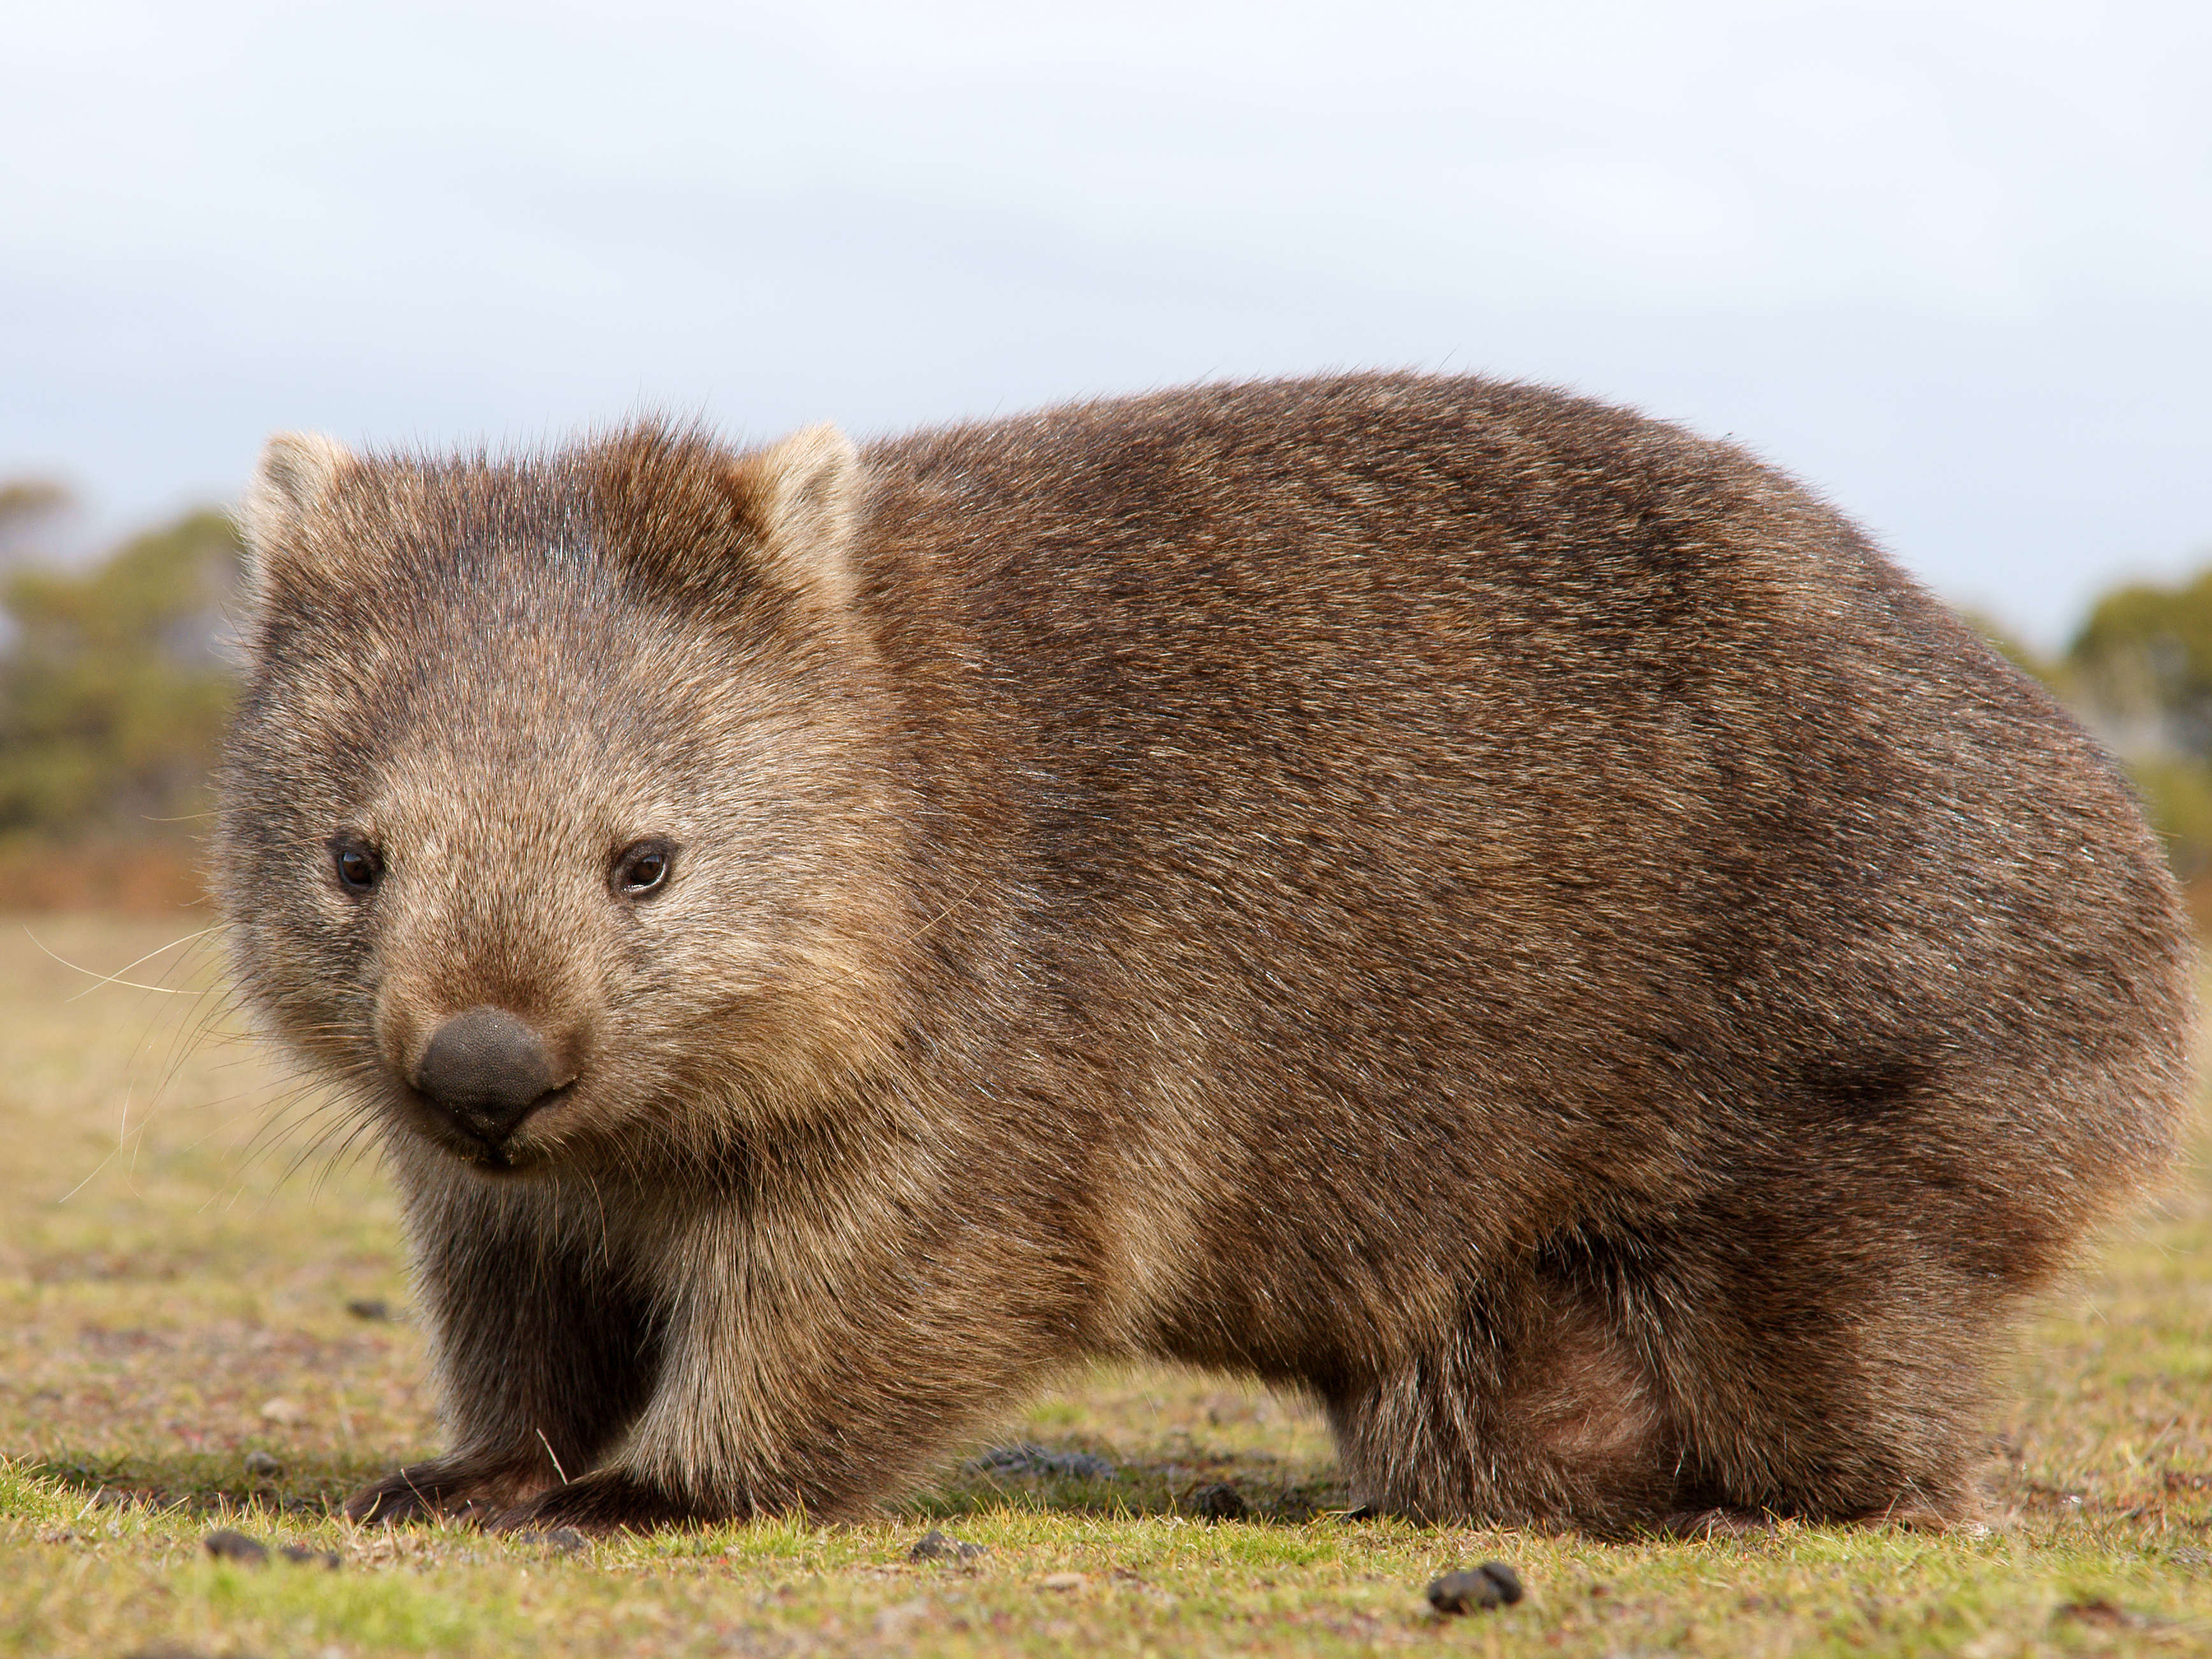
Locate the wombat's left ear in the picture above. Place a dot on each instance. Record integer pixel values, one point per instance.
(800, 497)
(297, 470)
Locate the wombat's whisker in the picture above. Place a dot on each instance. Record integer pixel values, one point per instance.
(116, 978)
(100, 979)
(362, 1124)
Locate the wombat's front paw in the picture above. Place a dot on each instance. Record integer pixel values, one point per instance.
(440, 1490)
(609, 1501)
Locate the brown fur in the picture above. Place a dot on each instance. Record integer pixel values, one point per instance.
(1464, 901)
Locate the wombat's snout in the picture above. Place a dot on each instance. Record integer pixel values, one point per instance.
(488, 1069)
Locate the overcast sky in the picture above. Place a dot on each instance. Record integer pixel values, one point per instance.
(1951, 264)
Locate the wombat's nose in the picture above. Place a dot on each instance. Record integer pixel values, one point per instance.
(487, 1068)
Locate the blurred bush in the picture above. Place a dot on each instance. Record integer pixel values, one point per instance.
(2141, 671)
(114, 688)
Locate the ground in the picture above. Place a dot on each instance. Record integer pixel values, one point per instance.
(176, 1297)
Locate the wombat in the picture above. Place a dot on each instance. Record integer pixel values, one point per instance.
(1473, 904)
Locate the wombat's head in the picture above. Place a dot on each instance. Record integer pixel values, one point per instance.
(554, 819)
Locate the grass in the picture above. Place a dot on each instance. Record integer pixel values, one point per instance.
(172, 1303)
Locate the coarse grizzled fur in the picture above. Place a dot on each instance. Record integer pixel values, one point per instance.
(1466, 902)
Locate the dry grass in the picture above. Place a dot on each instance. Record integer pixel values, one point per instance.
(171, 1305)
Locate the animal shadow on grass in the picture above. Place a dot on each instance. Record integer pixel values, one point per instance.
(309, 1485)
(1174, 1480)
(306, 1484)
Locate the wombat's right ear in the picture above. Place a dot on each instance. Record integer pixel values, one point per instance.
(798, 495)
(297, 470)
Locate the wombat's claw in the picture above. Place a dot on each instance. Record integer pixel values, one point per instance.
(606, 1502)
(470, 1493)
(412, 1494)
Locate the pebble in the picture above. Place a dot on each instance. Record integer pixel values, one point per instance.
(1029, 1458)
(1062, 1581)
(287, 1414)
(934, 1546)
(369, 1307)
(1221, 1502)
(227, 1545)
(262, 1464)
(1492, 1584)
(301, 1555)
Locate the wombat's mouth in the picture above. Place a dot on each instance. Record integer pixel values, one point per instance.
(494, 1144)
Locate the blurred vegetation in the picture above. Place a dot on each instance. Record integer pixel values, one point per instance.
(114, 691)
(2144, 662)
(2139, 674)
(114, 685)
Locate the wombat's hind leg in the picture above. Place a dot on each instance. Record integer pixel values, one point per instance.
(1537, 1412)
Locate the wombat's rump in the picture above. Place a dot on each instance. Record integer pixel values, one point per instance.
(1467, 901)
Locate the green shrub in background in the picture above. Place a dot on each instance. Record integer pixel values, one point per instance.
(2145, 655)
(114, 689)
(2140, 670)
(2177, 796)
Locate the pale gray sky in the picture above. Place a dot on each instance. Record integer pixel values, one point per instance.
(1950, 263)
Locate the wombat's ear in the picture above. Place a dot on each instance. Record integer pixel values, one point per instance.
(296, 472)
(800, 496)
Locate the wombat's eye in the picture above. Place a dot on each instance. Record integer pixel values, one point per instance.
(643, 869)
(358, 866)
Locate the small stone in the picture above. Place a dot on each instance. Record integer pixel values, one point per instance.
(304, 1555)
(285, 1413)
(227, 1545)
(1221, 1502)
(1490, 1585)
(934, 1546)
(1029, 1458)
(1507, 1580)
(1062, 1581)
(560, 1540)
(260, 1463)
(369, 1307)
